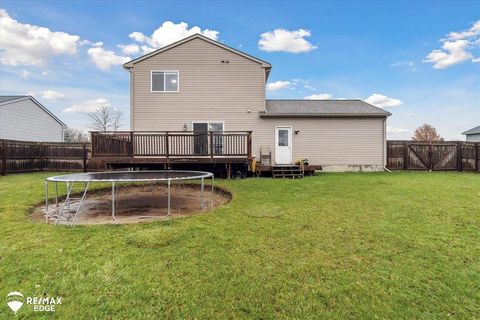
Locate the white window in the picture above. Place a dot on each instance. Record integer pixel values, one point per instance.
(164, 81)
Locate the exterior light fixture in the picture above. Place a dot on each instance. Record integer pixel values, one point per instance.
(184, 127)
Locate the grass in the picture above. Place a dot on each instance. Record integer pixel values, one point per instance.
(335, 246)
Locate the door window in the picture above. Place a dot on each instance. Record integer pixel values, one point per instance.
(282, 137)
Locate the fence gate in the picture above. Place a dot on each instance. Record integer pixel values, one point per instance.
(440, 156)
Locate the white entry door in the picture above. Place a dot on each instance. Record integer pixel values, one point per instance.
(283, 145)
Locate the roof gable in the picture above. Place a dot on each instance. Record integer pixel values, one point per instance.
(4, 100)
(130, 64)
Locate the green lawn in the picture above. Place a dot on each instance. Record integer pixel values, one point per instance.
(334, 246)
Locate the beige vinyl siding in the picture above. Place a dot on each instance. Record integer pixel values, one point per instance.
(328, 141)
(25, 120)
(210, 90)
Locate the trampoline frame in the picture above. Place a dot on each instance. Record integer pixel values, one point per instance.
(70, 179)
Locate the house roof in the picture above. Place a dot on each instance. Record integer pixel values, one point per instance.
(4, 100)
(264, 64)
(322, 108)
(11, 98)
(475, 130)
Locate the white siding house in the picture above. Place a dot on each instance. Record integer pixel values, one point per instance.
(24, 118)
(472, 135)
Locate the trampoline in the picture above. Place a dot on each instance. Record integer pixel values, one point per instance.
(72, 206)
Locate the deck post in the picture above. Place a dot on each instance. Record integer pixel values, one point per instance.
(249, 144)
(93, 143)
(131, 144)
(211, 144)
(167, 145)
(85, 155)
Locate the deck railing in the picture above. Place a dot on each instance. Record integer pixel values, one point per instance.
(165, 144)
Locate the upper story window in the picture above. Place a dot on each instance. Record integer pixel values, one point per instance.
(164, 81)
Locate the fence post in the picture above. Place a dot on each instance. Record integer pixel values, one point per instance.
(459, 157)
(477, 156)
(405, 155)
(430, 157)
(85, 155)
(40, 155)
(4, 157)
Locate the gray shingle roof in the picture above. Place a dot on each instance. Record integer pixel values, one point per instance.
(321, 108)
(475, 130)
(11, 98)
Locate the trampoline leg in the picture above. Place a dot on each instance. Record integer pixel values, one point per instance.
(211, 196)
(71, 188)
(56, 194)
(46, 201)
(168, 212)
(113, 201)
(201, 193)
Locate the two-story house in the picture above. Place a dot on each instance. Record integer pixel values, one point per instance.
(198, 101)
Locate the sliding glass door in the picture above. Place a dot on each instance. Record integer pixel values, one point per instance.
(201, 145)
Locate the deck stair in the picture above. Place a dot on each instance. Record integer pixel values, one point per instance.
(287, 171)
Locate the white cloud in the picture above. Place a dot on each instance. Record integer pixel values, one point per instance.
(25, 44)
(88, 106)
(277, 85)
(397, 130)
(457, 48)
(52, 95)
(129, 49)
(407, 64)
(285, 40)
(24, 74)
(104, 59)
(472, 32)
(383, 101)
(319, 96)
(168, 33)
(452, 52)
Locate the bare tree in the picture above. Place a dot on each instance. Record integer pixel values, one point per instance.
(104, 119)
(75, 135)
(426, 132)
(117, 121)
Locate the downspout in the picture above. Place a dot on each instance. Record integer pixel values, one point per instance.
(131, 99)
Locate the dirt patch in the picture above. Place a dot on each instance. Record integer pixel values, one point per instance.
(136, 204)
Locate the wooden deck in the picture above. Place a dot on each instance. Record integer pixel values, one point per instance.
(163, 147)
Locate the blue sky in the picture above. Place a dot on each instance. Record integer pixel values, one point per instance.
(418, 60)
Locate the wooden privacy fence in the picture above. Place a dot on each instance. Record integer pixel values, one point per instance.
(444, 155)
(28, 156)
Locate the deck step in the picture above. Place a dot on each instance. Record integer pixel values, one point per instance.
(287, 171)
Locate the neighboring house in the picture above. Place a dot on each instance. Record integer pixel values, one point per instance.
(200, 85)
(24, 118)
(473, 135)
